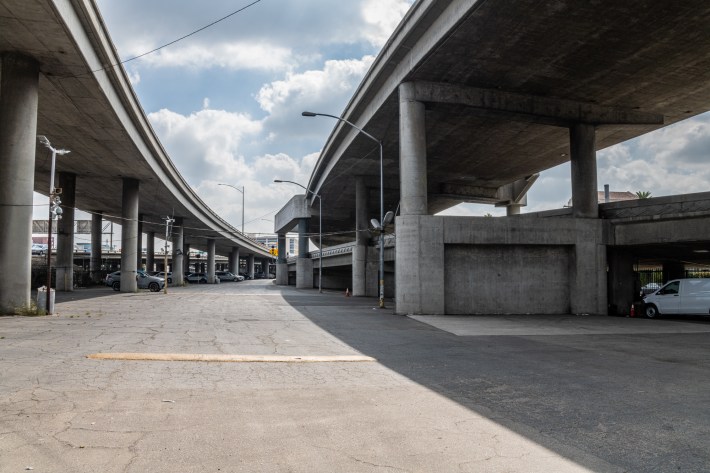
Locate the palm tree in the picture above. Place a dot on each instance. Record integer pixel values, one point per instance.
(643, 194)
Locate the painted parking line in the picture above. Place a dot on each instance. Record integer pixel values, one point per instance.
(232, 358)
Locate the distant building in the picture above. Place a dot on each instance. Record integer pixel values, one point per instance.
(272, 240)
(613, 197)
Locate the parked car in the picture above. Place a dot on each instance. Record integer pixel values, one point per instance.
(680, 296)
(161, 274)
(145, 281)
(650, 287)
(227, 276)
(199, 278)
(244, 275)
(39, 249)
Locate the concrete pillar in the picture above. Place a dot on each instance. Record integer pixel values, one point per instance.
(18, 142)
(65, 233)
(281, 266)
(673, 270)
(129, 234)
(150, 252)
(95, 261)
(412, 153)
(178, 243)
(623, 288)
(583, 160)
(304, 265)
(139, 242)
(250, 266)
(234, 260)
(185, 257)
(211, 246)
(359, 256)
(588, 285)
(419, 254)
(512, 209)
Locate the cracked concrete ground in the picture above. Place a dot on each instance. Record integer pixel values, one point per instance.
(433, 400)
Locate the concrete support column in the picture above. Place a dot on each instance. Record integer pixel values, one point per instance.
(419, 255)
(65, 233)
(623, 288)
(512, 209)
(583, 160)
(139, 242)
(129, 234)
(95, 261)
(588, 285)
(185, 257)
(412, 153)
(234, 261)
(281, 266)
(178, 243)
(359, 256)
(150, 252)
(673, 270)
(250, 266)
(211, 248)
(304, 264)
(18, 141)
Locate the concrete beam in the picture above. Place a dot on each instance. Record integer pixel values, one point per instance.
(290, 214)
(531, 108)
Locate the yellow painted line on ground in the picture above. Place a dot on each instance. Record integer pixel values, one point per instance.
(231, 358)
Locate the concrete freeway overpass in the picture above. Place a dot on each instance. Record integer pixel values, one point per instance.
(60, 79)
(472, 98)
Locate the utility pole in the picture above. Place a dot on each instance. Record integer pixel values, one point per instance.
(168, 230)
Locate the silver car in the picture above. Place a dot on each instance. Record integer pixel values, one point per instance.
(145, 281)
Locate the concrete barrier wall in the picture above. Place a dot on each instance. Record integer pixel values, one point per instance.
(507, 279)
(483, 265)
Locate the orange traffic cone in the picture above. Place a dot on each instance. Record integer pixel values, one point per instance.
(347, 292)
(632, 313)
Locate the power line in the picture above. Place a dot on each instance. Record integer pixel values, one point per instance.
(178, 39)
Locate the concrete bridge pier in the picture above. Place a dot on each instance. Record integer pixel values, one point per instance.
(19, 81)
(359, 285)
(150, 252)
(281, 266)
(65, 233)
(419, 256)
(250, 266)
(211, 248)
(304, 264)
(234, 261)
(95, 260)
(178, 243)
(139, 242)
(185, 258)
(129, 234)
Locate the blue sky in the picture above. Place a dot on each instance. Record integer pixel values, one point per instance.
(226, 102)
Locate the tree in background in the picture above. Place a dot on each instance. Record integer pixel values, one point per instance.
(643, 194)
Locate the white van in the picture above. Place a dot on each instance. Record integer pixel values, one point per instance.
(680, 296)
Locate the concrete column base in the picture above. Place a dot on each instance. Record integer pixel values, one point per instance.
(588, 288)
(359, 284)
(304, 273)
(419, 261)
(281, 274)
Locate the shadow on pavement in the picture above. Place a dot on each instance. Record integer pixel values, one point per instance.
(638, 401)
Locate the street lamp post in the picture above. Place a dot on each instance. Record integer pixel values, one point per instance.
(242, 191)
(382, 200)
(320, 231)
(54, 211)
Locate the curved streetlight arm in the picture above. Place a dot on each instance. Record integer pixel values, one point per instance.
(314, 114)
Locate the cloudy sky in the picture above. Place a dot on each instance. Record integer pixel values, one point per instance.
(226, 102)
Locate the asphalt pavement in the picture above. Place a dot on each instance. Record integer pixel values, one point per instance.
(252, 377)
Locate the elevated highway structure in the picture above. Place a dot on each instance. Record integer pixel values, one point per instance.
(61, 77)
(473, 98)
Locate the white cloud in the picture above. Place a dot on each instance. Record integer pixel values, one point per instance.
(233, 56)
(382, 17)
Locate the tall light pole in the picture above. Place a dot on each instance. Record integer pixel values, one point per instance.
(320, 230)
(382, 199)
(54, 211)
(242, 191)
